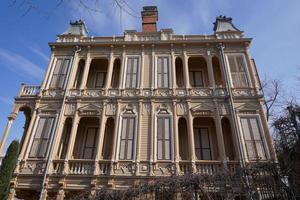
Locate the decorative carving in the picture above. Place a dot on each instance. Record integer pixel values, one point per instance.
(48, 109)
(93, 93)
(70, 109)
(181, 109)
(201, 92)
(202, 109)
(146, 108)
(90, 109)
(223, 109)
(129, 109)
(246, 92)
(163, 109)
(110, 109)
(248, 108)
(53, 93)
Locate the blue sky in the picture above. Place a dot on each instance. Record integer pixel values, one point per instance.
(274, 26)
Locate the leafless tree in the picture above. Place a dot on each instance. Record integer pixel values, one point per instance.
(272, 92)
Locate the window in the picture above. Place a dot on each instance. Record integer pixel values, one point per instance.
(202, 144)
(162, 72)
(238, 71)
(132, 72)
(100, 79)
(163, 138)
(253, 139)
(65, 140)
(127, 138)
(41, 138)
(90, 143)
(196, 78)
(60, 72)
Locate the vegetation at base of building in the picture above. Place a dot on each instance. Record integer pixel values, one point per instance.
(8, 165)
(256, 181)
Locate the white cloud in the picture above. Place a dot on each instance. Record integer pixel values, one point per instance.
(20, 64)
(39, 52)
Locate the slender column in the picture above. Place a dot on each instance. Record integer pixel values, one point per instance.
(141, 82)
(47, 75)
(191, 137)
(115, 137)
(110, 69)
(152, 138)
(123, 67)
(176, 138)
(153, 67)
(60, 131)
(173, 68)
(210, 70)
(73, 71)
(86, 71)
(28, 135)
(219, 133)
(101, 133)
(186, 70)
(72, 136)
(138, 141)
(6, 132)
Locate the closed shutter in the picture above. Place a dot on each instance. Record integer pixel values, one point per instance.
(238, 71)
(90, 143)
(41, 139)
(60, 72)
(131, 73)
(162, 72)
(127, 138)
(163, 138)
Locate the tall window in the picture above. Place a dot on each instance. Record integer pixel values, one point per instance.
(132, 72)
(127, 138)
(163, 138)
(196, 78)
(238, 70)
(100, 79)
(253, 139)
(90, 143)
(41, 137)
(65, 140)
(202, 144)
(60, 73)
(162, 72)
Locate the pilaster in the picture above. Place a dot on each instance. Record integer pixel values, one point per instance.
(110, 68)
(86, 71)
(210, 70)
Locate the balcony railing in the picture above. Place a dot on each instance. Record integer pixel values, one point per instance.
(29, 90)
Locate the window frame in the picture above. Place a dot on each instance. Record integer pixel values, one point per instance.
(54, 65)
(137, 84)
(169, 71)
(41, 137)
(262, 135)
(246, 68)
(94, 148)
(211, 146)
(169, 117)
(193, 71)
(96, 79)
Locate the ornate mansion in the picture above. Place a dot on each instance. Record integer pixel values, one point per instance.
(112, 111)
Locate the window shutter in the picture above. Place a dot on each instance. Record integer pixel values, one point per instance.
(238, 70)
(127, 138)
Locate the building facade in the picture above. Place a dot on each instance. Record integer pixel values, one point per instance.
(113, 111)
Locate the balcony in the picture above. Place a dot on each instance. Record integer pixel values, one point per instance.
(29, 91)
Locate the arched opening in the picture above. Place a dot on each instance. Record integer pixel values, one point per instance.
(97, 74)
(79, 74)
(86, 137)
(179, 72)
(115, 79)
(27, 114)
(217, 72)
(198, 73)
(205, 138)
(183, 139)
(63, 146)
(108, 139)
(228, 141)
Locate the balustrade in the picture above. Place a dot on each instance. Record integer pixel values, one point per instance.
(81, 166)
(29, 90)
(208, 167)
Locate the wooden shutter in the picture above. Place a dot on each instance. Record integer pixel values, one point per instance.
(238, 71)
(163, 138)
(127, 138)
(60, 72)
(131, 73)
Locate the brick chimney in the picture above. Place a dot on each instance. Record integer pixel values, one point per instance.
(149, 18)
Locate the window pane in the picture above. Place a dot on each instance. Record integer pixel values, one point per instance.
(240, 63)
(243, 79)
(159, 80)
(166, 81)
(131, 128)
(245, 128)
(34, 148)
(260, 150)
(129, 149)
(198, 79)
(135, 65)
(58, 66)
(43, 148)
(122, 149)
(159, 128)
(123, 131)
(48, 127)
(90, 137)
(100, 79)
(255, 129)
(133, 82)
(191, 76)
(40, 127)
(159, 149)
(250, 150)
(196, 138)
(167, 149)
(165, 64)
(204, 139)
(65, 66)
(232, 64)
(206, 154)
(167, 128)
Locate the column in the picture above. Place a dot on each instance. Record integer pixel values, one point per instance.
(152, 68)
(141, 84)
(110, 69)
(173, 67)
(101, 133)
(138, 141)
(219, 133)
(186, 70)
(85, 71)
(191, 138)
(6, 131)
(210, 70)
(115, 138)
(176, 138)
(47, 75)
(72, 71)
(122, 72)
(152, 115)
(72, 138)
